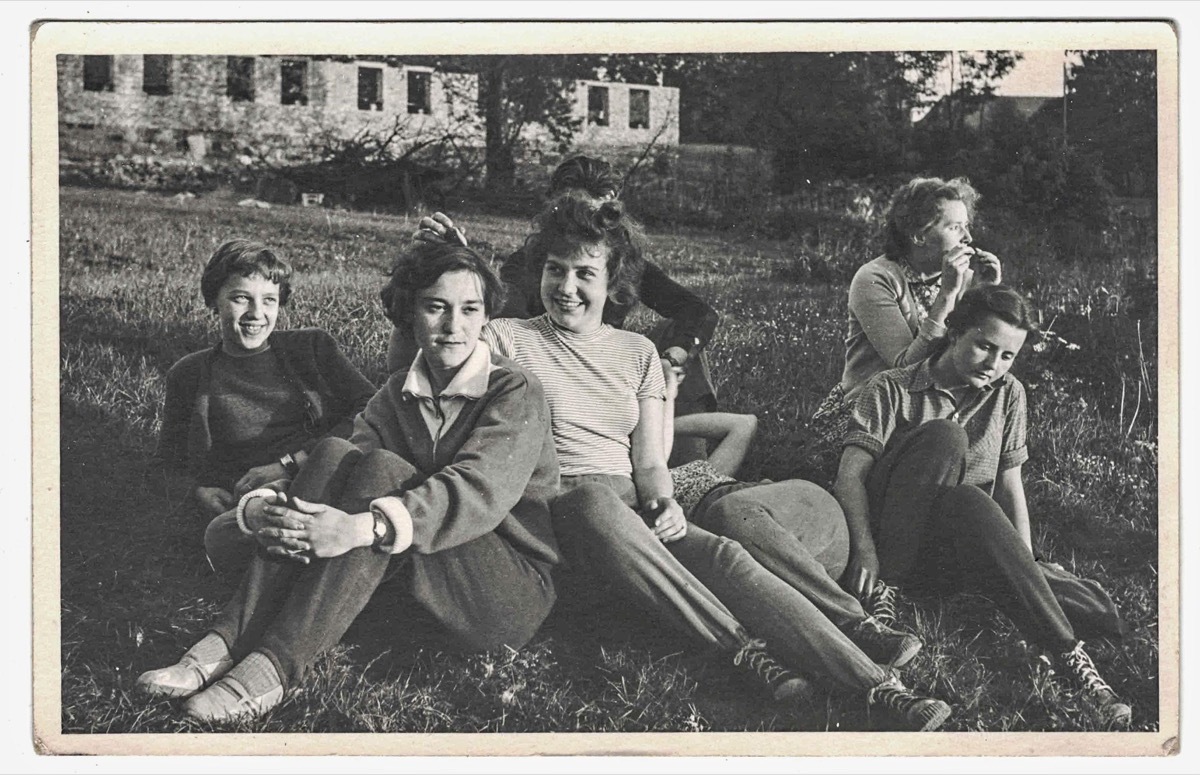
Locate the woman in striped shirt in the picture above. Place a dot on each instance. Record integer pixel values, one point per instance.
(616, 516)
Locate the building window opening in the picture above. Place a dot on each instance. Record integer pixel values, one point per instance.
(370, 88)
(156, 74)
(293, 82)
(97, 73)
(418, 92)
(639, 108)
(598, 105)
(239, 79)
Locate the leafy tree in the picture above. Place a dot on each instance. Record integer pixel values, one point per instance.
(1112, 116)
(516, 92)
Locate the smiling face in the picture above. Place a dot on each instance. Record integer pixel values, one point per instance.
(575, 288)
(247, 308)
(446, 320)
(984, 353)
(950, 230)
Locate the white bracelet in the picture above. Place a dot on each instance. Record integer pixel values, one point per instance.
(240, 513)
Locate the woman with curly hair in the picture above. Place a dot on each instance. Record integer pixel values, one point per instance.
(615, 515)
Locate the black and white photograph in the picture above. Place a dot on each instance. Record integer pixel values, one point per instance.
(498, 378)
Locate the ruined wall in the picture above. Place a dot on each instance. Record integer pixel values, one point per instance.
(198, 107)
(663, 109)
(199, 117)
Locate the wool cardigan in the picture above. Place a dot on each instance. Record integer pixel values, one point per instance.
(493, 469)
(885, 328)
(334, 392)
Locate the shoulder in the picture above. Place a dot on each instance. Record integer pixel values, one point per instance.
(507, 374)
(890, 381)
(629, 341)
(1014, 389)
(189, 365)
(296, 338)
(879, 269)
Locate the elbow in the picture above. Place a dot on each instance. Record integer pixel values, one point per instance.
(747, 426)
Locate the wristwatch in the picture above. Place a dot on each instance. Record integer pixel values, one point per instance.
(381, 529)
(290, 466)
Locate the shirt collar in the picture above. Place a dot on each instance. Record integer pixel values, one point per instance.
(471, 381)
(923, 378)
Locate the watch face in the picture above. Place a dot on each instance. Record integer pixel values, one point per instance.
(379, 528)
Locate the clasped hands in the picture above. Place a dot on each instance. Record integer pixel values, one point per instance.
(299, 530)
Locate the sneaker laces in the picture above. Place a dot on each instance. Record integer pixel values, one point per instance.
(892, 694)
(883, 603)
(754, 655)
(1082, 666)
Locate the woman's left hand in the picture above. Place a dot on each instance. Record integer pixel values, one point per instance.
(259, 476)
(986, 268)
(670, 524)
(328, 531)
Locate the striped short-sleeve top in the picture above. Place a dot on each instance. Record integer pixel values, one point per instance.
(593, 383)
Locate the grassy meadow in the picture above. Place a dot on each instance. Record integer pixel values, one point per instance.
(136, 590)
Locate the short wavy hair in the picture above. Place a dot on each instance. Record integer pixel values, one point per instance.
(573, 221)
(420, 266)
(916, 205)
(244, 258)
(1000, 301)
(585, 173)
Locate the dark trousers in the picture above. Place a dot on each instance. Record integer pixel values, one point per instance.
(702, 584)
(928, 526)
(484, 592)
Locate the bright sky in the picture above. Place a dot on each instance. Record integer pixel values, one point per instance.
(1038, 74)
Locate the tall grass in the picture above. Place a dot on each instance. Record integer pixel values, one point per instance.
(136, 590)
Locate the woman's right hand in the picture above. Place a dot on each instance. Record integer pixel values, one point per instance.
(956, 271)
(439, 228)
(862, 571)
(670, 523)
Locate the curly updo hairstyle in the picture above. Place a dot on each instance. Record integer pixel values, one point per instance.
(585, 173)
(420, 266)
(916, 206)
(244, 258)
(574, 222)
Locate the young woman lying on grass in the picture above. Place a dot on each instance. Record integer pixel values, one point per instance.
(249, 410)
(793, 528)
(615, 515)
(444, 487)
(930, 481)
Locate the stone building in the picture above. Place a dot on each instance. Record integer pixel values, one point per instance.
(200, 105)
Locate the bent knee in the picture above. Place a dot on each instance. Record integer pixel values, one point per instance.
(330, 449)
(968, 499)
(945, 436)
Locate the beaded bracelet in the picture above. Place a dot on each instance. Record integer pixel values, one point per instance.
(240, 514)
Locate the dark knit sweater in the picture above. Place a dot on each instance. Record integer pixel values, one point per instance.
(332, 390)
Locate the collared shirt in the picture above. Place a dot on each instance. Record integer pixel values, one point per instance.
(898, 400)
(440, 410)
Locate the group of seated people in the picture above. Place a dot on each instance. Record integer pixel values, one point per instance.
(523, 429)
